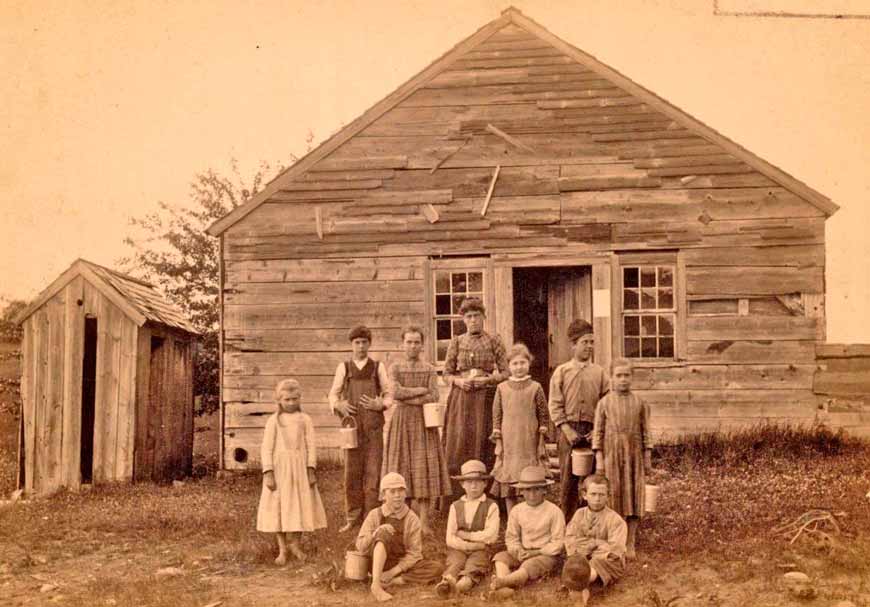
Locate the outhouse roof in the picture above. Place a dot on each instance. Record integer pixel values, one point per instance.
(513, 16)
(141, 301)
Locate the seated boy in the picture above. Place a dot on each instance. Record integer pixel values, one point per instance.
(534, 537)
(391, 534)
(594, 541)
(472, 528)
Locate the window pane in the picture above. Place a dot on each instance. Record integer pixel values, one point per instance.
(666, 347)
(442, 282)
(442, 304)
(648, 325)
(666, 324)
(459, 282)
(666, 277)
(648, 299)
(631, 325)
(666, 298)
(476, 295)
(629, 278)
(475, 281)
(648, 347)
(648, 277)
(442, 329)
(630, 300)
(442, 349)
(457, 303)
(632, 347)
(458, 328)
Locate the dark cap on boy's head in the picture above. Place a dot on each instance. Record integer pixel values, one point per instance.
(578, 328)
(359, 331)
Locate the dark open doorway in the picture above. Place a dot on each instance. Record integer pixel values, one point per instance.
(546, 300)
(89, 384)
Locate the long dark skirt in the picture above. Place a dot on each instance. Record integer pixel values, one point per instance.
(466, 430)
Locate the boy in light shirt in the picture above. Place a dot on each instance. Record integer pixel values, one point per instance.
(535, 536)
(472, 528)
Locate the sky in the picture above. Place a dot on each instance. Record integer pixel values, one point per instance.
(108, 107)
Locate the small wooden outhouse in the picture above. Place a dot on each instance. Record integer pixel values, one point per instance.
(522, 170)
(106, 383)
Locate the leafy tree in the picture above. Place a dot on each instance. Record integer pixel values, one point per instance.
(10, 331)
(171, 249)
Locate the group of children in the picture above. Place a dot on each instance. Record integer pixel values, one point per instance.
(492, 397)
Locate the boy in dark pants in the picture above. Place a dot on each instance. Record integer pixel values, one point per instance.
(361, 390)
(575, 388)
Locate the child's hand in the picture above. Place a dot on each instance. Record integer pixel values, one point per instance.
(570, 434)
(462, 384)
(269, 479)
(386, 528)
(312, 476)
(345, 408)
(372, 404)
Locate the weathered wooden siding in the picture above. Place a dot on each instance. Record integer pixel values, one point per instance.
(587, 170)
(842, 384)
(52, 383)
(284, 318)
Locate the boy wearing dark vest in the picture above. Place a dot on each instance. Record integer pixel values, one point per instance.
(361, 391)
(472, 529)
(393, 537)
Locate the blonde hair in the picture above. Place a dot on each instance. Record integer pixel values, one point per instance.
(287, 385)
(520, 349)
(621, 362)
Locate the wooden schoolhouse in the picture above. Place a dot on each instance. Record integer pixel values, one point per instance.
(522, 170)
(106, 383)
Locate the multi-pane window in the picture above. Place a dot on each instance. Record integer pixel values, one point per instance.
(451, 287)
(648, 311)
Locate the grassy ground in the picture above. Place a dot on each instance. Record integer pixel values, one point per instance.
(709, 544)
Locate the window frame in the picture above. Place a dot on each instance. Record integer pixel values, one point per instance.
(455, 264)
(651, 258)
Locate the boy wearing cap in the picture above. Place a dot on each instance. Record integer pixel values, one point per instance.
(594, 541)
(575, 388)
(361, 391)
(391, 534)
(472, 529)
(535, 535)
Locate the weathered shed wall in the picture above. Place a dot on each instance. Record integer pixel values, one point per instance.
(842, 384)
(51, 389)
(589, 171)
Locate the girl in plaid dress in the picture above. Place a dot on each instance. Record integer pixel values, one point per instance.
(412, 449)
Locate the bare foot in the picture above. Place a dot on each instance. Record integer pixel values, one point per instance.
(503, 593)
(380, 594)
(495, 583)
(464, 585)
(297, 552)
(630, 553)
(281, 559)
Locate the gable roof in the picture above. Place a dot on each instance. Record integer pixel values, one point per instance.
(515, 17)
(139, 300)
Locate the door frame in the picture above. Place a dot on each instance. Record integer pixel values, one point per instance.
(602, 300)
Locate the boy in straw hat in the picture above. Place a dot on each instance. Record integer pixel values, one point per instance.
(594, 541)
(575, 389)
(392, 536)
(535, 535)
(472, 528)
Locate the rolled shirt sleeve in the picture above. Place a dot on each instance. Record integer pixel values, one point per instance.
(556, 405)
(335, 392)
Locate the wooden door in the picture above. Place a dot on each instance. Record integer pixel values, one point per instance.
(569, 297)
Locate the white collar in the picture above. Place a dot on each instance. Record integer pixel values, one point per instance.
(524, 378)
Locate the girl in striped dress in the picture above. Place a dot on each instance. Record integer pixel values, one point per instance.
(622, 443)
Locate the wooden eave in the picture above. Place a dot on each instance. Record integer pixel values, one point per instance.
(80, 268)
(509, 16)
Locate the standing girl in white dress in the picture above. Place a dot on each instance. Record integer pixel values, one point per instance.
(289, 503)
